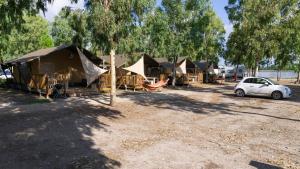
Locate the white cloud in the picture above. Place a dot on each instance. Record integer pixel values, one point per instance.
(54, 8)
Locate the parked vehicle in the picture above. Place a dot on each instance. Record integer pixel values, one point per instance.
(230, 71)
(7, 73)
(261, 86)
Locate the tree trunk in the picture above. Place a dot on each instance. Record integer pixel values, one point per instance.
(174, 71)
(113, 78)
(298, 77)
(236, 72)
(278, 74)
(206, 72)
(256, 69)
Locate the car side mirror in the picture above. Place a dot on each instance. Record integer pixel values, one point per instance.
(267, 84)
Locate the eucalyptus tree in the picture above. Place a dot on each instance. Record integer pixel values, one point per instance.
(32, 35)
(12, 13)
(110, 21)
(70, 27)
(212, 34)
(260, 22)
(193, 30)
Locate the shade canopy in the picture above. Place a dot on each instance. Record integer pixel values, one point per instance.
(138, 67)
(92, 72)
(181, 69)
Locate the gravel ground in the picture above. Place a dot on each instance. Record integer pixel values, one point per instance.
(199, 127)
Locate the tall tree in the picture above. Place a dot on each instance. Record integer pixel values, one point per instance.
(187, 28)
(33, 34)
(110, 22)
(257, 29)
(70, 27)
(12, 16)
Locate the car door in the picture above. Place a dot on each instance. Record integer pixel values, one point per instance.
(264, 87)
(253, 86)
(248, 85)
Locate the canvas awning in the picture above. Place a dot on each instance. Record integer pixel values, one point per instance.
(181, 69)
(92, 72)
(137, 68)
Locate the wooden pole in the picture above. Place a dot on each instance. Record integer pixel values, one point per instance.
(113, 78)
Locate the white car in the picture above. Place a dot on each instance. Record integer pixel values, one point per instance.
(261, 86)
(8, 74)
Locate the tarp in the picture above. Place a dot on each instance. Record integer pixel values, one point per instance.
(92, 72)
(181, 69)
(138, 67)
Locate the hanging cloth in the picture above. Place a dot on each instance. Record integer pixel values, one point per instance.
(92, 72)
(181, 69)
(137, 68)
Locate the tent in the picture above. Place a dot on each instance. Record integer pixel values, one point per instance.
(183, 65)
(65, 63)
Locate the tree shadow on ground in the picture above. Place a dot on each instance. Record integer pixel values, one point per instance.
(180, 103)
(57, 136)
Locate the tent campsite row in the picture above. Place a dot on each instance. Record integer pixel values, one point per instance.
(42, 69)
(154, 69)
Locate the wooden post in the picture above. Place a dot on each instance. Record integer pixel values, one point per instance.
(113, 78)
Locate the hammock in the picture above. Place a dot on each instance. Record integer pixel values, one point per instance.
(157, 85)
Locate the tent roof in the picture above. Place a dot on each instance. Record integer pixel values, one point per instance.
(202, 65)
(122, 60)
(169, 64)
(45, 52)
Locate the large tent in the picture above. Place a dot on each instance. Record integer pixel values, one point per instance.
(79, 67)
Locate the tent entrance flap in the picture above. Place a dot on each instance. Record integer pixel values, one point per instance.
(138, 67)
(92, 72)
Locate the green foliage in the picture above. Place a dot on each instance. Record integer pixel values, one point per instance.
(32, 35)
(262, 29)
(184, 28)
(115, 23)
(70, 27)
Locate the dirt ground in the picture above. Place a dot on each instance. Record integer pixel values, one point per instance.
(197, 127)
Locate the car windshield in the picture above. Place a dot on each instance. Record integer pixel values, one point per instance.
(273, 82)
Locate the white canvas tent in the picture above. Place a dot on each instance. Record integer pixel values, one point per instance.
(137, 68)
(92, 72)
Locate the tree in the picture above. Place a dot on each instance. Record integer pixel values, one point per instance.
(212, 36)
(70, 27)
(185, 28)
(61, 30)
(258, 31)
(110, 21)
(32, 35)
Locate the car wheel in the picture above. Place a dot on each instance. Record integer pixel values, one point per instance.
(277, 95)
(240, 93)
